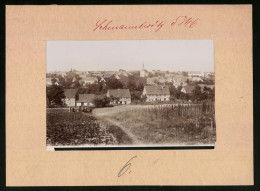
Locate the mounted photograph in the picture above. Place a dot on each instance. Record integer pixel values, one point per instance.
(130, 93)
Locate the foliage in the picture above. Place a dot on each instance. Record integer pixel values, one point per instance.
(102, 102)
(135, 94)
(55, 94)
(113, 83)
(65, 128)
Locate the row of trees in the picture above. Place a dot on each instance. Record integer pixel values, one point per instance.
(198, 94)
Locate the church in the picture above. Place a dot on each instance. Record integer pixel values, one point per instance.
(143, 72)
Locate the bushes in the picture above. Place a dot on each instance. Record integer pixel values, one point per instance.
(101, 102)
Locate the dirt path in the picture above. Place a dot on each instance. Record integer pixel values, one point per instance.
(106, 121)
(131, 135)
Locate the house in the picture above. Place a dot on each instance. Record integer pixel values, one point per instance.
(156, 93)
(170, 79)
(119, 96)
(161, 80)
(70, 97)
(122, 72)
(179, 80)
(151, 81)
(195, 74)
(88, 80)
(108, 75)
(187, 89)
(85, 100)
(196, 79)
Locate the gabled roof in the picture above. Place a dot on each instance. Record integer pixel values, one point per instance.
(70, 93)
(157, 90)
(119, 93)
(189, 89)
(86, 98)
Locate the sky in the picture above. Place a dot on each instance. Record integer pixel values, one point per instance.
(112, 55)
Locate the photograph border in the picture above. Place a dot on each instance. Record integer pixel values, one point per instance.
(134, 147)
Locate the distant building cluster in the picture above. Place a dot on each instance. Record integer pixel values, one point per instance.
(156, 85)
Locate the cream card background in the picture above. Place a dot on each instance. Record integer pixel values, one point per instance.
(29, 164)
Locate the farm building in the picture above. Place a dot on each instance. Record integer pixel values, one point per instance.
(70, 97)
(156, 93)
(85, 100)
(119, 96)
(187, 89)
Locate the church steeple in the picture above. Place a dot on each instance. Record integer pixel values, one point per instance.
(142, 72)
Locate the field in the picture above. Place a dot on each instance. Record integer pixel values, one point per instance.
(169, 124)
(186, 124)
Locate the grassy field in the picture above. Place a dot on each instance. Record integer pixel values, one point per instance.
(188, 124)
(178, 124)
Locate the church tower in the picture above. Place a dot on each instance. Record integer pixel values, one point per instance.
(142, 72)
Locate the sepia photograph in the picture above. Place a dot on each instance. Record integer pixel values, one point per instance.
(130, 93)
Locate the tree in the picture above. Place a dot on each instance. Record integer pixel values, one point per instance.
(135, 94)
(114, 83)
(101, 102)
(55, 94)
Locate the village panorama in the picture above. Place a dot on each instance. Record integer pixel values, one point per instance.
(124, 108)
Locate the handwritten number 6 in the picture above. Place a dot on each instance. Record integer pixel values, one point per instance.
(125, 167)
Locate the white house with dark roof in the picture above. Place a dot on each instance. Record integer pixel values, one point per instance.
(156, 93)
(85, 100)
(70, 97)
(119, 96)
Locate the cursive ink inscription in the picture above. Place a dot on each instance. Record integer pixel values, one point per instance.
(126, 167)
(157, 25)
(185, 21)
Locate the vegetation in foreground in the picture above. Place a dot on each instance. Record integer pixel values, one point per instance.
(65, 128)
(181, 124)
(69, 128)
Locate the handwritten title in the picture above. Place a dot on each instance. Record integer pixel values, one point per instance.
(180, 21)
